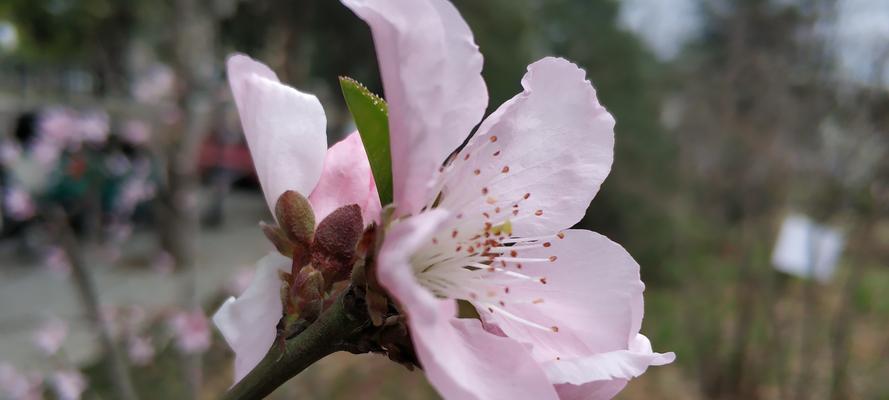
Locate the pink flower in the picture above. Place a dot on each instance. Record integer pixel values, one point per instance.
(19, 204)
(56, 262)
(68, 385)
(93, 127)
(191, 330)
(560, 309)
(50, 336)
(140, 350)
(15, 385)
(136, 132)
(285, 132)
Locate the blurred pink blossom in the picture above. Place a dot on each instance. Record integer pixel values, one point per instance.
(155, 85)
(191, 330)
(135, 191)
(56, 262)
(140, 350)
(163, 263)
(9, 152)
(136, 132)
(18, 203)
(15, 385)
(50, 336)
(68, 384)
(93, 127)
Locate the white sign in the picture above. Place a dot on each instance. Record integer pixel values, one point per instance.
(806, 249)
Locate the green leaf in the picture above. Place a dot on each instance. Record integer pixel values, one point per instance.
(372, 119)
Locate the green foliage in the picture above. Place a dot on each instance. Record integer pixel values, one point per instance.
(372, 119)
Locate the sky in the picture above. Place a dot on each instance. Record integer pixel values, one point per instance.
(858, 32)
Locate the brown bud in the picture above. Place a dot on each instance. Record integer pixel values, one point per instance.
(307, 293)
(333, 250)
(278, 238)
(295, 217)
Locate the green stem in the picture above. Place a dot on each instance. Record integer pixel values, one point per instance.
(329, 334)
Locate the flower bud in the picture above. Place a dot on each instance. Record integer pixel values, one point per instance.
(333, 250)
(296, 218)
(307, 293)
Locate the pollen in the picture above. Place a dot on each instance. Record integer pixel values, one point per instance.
(543, 281)
(454, 233)
(491, 200)
(493, 138)
(466, 157)
(513, 253)
(477, 172)
(434, 241)
(484, 190)
(537, 301)
(553, 258)
(538, 213)
(506, 290)
(496, 153)
(526, 196)
(505, 169)
(561, 235)
(555, 329)
(547, 244)
(502, 304)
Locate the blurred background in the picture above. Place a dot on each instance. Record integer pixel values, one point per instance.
(751, 182)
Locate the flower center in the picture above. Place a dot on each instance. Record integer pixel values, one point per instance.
(476, 258)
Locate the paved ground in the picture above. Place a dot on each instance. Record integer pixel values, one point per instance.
(29, 295)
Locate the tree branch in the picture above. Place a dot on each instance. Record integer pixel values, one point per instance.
(337, 326)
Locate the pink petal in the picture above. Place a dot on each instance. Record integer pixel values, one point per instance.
(600, 390)
(431, 71)
(249, 322)
(545, 151)
(459, 357)
(592, 296)
(346, 179)
(618, 364)
(285, 128)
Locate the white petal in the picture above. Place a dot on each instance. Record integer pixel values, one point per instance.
(249, 323)
(285, 129)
